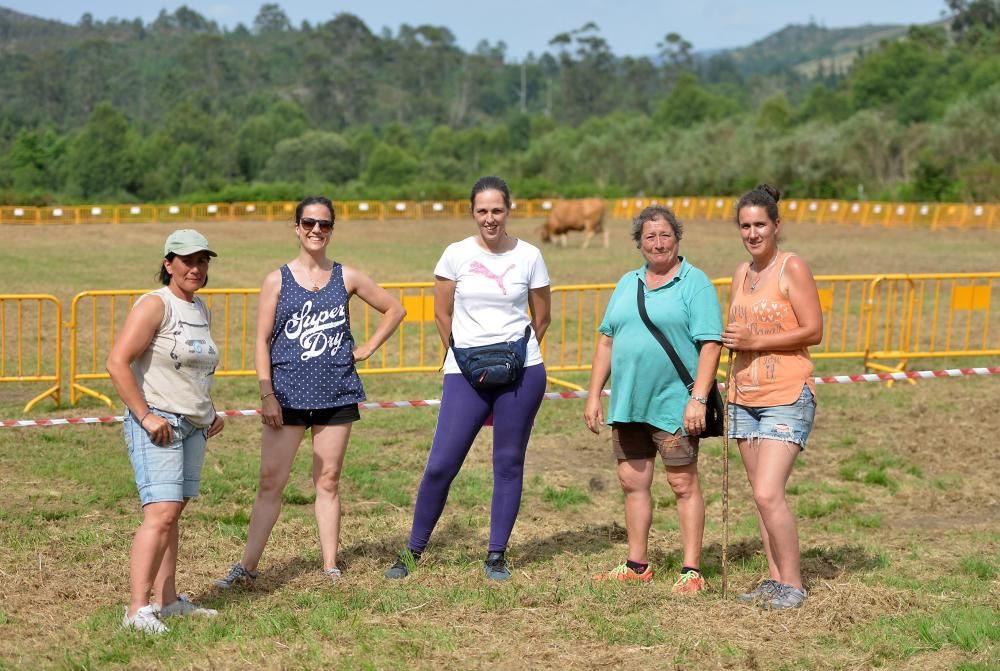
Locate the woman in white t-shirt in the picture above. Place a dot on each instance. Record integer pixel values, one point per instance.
(488, 289)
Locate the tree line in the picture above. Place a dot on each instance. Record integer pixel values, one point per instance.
(180, 109)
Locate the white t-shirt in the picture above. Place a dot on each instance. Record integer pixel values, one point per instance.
(491, 295)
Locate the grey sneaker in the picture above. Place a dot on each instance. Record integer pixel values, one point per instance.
(405, 562)
(333, 574)
(495, 567)
(145, 620)
(183, 607)
(766, 589)
(237, 576)
(786, 597)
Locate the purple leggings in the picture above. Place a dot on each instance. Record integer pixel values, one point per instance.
(463, 411)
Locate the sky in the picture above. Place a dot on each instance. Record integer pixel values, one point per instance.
(631, 27)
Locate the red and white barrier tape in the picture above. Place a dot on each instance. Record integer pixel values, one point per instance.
(384, 405)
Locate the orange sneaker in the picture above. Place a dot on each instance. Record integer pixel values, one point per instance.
(689, 583)
(622, 573)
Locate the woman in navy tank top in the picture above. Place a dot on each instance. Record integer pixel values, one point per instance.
(305, 358)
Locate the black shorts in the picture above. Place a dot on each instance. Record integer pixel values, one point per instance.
(342, 414)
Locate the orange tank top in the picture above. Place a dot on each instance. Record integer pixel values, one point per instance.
(767, 378)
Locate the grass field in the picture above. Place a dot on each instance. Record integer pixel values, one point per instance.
(896, 498)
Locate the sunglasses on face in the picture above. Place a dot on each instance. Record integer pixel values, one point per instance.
(308, 223)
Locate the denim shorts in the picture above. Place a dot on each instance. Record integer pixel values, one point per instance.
(786, 423)
(171, 472)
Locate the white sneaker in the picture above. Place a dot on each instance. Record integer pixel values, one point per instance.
(183, 607)
(333, 574)
(144, 620)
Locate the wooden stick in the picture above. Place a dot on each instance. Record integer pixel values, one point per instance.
(725, 479)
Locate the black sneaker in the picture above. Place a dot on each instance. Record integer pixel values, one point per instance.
(495, 567)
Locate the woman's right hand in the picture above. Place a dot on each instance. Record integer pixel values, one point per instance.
(159, 429)
(593, 414)
(270, 411)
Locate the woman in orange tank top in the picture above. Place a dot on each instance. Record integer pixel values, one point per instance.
(774, 316)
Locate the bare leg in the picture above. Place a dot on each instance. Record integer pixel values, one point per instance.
(636, 477)
(690, 510)
(278, 446)
(159, 520)
(329, 447)
(749, 453)
(772, 465)
(164, 587)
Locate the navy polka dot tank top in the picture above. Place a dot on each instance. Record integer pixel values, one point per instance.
(312, 349)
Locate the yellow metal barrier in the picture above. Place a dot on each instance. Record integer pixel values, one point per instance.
(872, 318)
(926, 215)
(931, 315)
(31, 342)
(96, 317)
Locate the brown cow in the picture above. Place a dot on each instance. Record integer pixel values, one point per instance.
(584, 214)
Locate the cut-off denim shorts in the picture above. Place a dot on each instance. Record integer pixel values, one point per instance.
(786, 423)
(171, 472)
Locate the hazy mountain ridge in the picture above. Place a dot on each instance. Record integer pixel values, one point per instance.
(810, 47)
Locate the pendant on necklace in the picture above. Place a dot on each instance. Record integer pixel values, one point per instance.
(315, 288)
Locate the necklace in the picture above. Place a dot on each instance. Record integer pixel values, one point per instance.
(755, 282)
(315, 284)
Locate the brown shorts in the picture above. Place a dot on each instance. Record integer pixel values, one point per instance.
(635, 440)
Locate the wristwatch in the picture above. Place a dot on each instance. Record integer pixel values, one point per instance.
(700, 399)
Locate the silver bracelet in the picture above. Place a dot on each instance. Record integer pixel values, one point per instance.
(700, 399)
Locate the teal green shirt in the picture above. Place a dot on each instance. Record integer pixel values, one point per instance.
(645, 386)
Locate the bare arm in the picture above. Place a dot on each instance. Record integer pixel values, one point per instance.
(444, 306)
(356, 282)
(540, 305)
(600, 370)
(140, 327)
(267, 307)
(708, 363)
(800, 287)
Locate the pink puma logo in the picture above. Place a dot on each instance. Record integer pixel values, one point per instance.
(480, 269)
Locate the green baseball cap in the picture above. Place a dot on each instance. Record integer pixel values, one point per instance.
(186, 241)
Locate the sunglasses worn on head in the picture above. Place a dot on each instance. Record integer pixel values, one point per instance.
(309, 223)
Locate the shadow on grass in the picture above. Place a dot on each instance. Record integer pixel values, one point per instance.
(592, 539)
(820, 563)
(382, 550)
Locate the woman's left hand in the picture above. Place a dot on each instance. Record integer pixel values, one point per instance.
(361, 353)
(737, 337)
(694, 418)
(217, 425)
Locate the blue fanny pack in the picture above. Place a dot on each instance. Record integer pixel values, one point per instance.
(494, 365)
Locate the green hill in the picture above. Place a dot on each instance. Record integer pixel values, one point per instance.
(805, 47)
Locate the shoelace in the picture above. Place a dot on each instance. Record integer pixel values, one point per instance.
(237, 572)
(621, 569)
(688, 577)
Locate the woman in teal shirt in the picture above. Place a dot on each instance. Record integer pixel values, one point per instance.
(651, 410)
